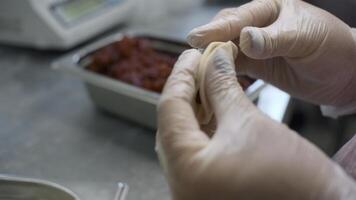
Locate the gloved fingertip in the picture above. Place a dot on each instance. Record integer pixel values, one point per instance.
(201, 36)
(196, 38)
(252, 42)
(188, 56)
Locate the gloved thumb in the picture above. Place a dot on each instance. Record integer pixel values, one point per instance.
(267, 42)
(285, 38)
(222, 92)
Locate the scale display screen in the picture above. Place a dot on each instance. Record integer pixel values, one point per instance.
(71, 11)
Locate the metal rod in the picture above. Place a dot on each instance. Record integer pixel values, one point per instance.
(122, 190)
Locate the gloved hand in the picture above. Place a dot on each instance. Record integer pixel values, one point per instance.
(250, 156)
(293, 45)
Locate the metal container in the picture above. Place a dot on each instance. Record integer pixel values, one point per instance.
(16, 188)
(127, 101)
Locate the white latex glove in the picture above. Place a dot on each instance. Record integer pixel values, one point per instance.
(250, 156)
(293, 45)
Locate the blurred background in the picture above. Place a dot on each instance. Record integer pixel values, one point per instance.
(51, 129)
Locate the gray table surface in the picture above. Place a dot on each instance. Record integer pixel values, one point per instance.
(49, 128)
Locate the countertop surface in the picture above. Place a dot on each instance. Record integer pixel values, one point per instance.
(49, 128)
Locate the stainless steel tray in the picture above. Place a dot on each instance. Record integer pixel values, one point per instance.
(18, 188)
(15, 188)
(122, 99)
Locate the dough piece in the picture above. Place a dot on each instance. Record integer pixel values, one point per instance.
(204, 110)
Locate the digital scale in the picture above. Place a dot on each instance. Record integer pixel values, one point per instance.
(58, 24)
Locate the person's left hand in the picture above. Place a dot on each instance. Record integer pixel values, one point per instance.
(250, 156)
(297, 47)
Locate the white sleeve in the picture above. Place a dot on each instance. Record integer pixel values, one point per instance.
(335, 112)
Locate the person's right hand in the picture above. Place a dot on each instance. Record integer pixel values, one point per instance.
(293, 45)
(249, 156)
